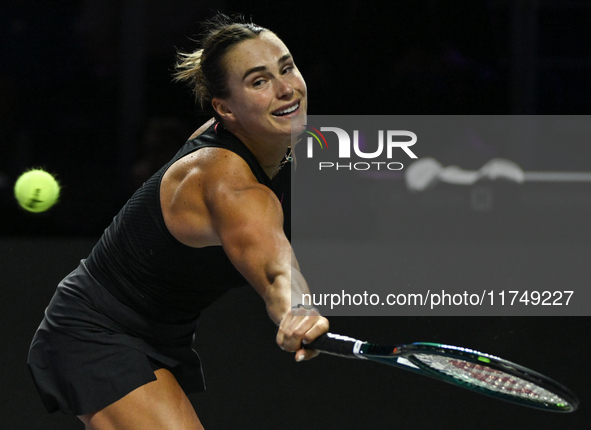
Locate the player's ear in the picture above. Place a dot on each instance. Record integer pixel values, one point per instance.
(223, 109)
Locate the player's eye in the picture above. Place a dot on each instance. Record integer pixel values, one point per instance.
(258, 82)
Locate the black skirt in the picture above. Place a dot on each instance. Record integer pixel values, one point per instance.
(91, 350)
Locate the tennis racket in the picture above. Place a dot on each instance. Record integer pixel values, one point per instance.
(463, 367)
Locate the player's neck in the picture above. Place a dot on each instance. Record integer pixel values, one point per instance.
(269, 153)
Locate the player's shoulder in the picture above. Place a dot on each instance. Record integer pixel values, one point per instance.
(210, 182)
(216, 165)
(218, 175)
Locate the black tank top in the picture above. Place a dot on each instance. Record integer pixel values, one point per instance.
(139, 261)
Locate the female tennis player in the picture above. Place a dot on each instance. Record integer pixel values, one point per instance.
(114, 347)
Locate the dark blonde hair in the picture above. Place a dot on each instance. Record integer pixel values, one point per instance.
(204, 69)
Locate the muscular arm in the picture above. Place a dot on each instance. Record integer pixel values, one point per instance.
(248, 219)
(214, 199)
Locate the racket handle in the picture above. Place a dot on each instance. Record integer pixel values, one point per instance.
(335, 344)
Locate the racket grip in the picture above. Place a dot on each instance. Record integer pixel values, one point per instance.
(335, 344)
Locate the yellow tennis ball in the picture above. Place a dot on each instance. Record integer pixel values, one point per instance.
(36, 190)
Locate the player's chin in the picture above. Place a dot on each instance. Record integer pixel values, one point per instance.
(283, 125)
(281, 129)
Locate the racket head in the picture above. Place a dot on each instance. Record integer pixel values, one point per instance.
(477, 371)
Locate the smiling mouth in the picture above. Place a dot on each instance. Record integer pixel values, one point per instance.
(287, 111)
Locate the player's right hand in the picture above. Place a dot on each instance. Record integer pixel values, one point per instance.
(299, 327)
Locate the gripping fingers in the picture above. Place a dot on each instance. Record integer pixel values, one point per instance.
(292, 332)
(305, 354)
(296, 330)
(320, 327)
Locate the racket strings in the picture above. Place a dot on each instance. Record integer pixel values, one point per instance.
(489, 379)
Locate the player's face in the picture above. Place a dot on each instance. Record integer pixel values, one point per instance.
(266, 88)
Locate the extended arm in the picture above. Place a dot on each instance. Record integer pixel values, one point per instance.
(214, 199)
(248, 219)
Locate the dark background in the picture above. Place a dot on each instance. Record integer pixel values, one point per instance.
(86, 94)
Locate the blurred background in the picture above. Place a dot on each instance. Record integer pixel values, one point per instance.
(86, 93)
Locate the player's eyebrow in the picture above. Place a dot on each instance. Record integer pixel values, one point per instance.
(255, 69)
